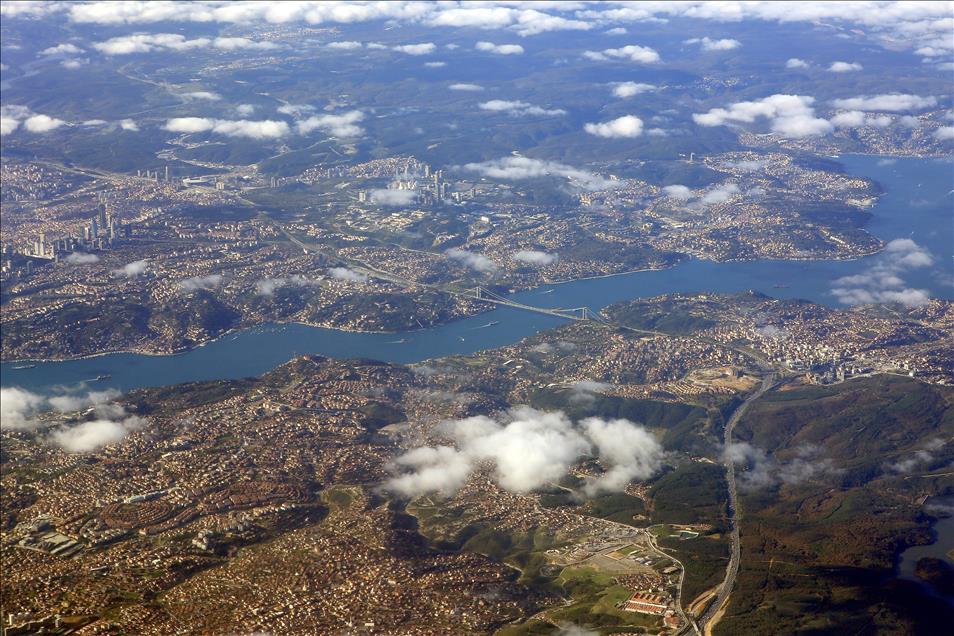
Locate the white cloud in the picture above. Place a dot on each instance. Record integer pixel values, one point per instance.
(388, 197)
(132, 270)
(790, 115)
(201, 95)
(267, 286)
(466, 87)
(761, 471)
(264, 129)
(519, 108)
(892, 102)
(348, 45)
(719, 194)
(79, 258)
(435, 64)
(628, 89)
(62, 49)
(149, 42)
(631, 52)
(42, 123)
(534, 257)
(679, 192)
(626, 126)
(244, 110)
(517, 168)
(346, 275)
(849, 119)
(944, 133)
(234, 44)
(210, 281)
(616, 31)
(296, 110)
(844, 67)
(499, 49)
(343, 125)
(528, 449)
(709, 44)
(8, 125)
(424, 48)
(129, 124)
(17, 407)
(628, 452)
(476, 262)
(882, 281)
(441, 469)
(794, 62)
(90, 436)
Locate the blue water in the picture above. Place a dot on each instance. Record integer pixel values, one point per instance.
(917, 204)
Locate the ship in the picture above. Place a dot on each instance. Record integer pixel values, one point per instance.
(105, 376)
(25, 366)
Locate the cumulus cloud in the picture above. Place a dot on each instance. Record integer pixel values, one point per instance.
(62, 49)
(527, 449)
(42, 123)
(344, 125)
(625, 126)
(476, 262)
(718, 194)
(844, 67)
(917, 458)
(679, 192)
(585, 391)
(790, 115)
(8, 125)
(499, 49)
(389, 197)
(465, 87)
(129, 124)
(87, 437)
(848, 119)
(882, 281)
(794, 62)
(435, 64)
(944, 133)
(535, 257)
(79, 258)
(708, 44)
(631, 53)
(132, 270)
(440, 469)
(211, 281)
(149, 42)
(201, 95)
(348, 45)
(423, 48)
(17, 407)
(267, 286)
(518, 108)
(244, 110)
(518, 168)
(761, 471)
(346, 275)
(263, 129)
(891, 102)
(628, 452)
(628, 89)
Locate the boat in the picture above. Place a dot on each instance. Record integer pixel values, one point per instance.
(25, 366)
(780, 286)
(489, 324)
(105, 376)
(401, 341)
(549, 291)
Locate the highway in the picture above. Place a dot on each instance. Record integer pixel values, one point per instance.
(769, 381)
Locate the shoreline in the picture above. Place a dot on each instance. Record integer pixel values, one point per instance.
(235, 330)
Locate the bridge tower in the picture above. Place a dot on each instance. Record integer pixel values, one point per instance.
(477, 292)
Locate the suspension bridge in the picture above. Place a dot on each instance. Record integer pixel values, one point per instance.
(487, 296)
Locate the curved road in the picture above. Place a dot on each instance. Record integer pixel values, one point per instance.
(769, 382)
